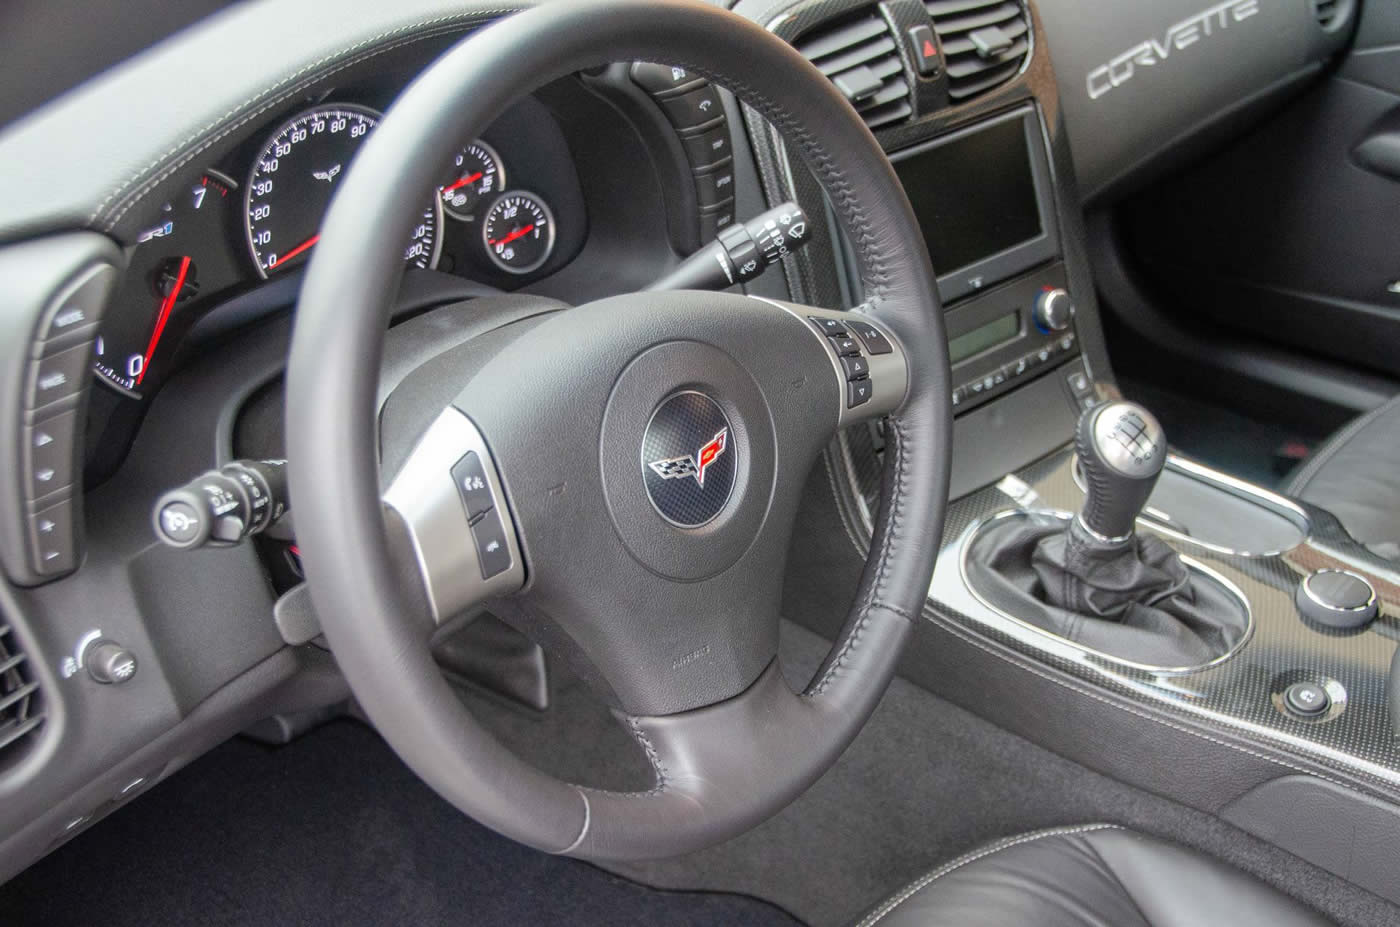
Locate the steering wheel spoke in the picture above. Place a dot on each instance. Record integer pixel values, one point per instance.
(450, 498)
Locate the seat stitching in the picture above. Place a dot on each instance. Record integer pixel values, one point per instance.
(967, 859)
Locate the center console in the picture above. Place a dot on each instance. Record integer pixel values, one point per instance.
(1201, 637)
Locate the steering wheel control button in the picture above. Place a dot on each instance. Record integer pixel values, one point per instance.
(828, 326)
(874, 339)
(1307, 699)
(1337, 599)
(858, 393)
(856, 367)
(470, 477)
(492, 549)
(688, 465)
(845, 345)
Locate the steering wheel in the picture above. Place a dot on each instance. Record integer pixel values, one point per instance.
(620, 479)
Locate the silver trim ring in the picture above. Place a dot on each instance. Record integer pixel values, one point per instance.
(1307, 591)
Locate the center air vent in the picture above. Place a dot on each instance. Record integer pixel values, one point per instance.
(984, 42)
(21, 706)
(859, 56)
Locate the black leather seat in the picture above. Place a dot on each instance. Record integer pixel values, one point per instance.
(1356, 476)
(1097, 874)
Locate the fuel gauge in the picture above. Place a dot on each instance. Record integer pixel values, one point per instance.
(518, 232)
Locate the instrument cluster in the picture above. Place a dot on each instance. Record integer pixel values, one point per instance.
(255, 219)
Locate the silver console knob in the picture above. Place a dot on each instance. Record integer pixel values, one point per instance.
(1122, 450)
(1053, 310)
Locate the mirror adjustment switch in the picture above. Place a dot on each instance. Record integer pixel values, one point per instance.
(470, 477)
(492, 551)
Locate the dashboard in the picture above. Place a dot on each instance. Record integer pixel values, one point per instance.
(509, 210)
(207, 205)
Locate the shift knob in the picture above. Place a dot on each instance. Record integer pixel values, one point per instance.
(1121, 453)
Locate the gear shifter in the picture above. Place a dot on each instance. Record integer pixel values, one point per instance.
(1121, 453)
(1098, 582)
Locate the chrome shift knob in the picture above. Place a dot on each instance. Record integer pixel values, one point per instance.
(1122, 450)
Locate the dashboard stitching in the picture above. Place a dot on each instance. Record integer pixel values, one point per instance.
(963, 636)
(282, 90)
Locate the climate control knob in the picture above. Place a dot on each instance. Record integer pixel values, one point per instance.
(1053, 310)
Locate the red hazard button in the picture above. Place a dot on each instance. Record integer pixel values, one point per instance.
(924, 50)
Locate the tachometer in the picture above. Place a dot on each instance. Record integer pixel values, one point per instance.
(296, 174)
(518, 232)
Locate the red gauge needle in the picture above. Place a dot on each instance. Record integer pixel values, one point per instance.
(284, 258)
(463, 182)
(518, 233)
(166, 305)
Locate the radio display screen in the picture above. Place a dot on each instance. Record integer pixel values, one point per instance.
(974, 196)
(983, 337)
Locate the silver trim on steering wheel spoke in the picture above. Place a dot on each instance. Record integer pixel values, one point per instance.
(445, 539)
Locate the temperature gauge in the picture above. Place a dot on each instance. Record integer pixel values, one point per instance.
(477, 174)
(518, 232)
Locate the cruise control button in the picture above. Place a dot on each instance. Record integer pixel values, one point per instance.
(856, 367)
(492, 551)
(694, 108)
(470, 477)
(54, 378)
(858, 393)
(708, 148)
(875, 340)
(845, 345)
(827, 326)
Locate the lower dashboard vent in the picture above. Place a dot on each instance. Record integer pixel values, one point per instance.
(984, 42)
(21, 704)
(859, 56)
(1326, 11)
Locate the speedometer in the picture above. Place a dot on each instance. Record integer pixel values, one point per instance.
(296, 174)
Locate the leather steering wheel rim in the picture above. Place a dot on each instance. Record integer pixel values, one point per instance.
(723, 768)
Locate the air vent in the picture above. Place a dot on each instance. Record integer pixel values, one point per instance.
(1326, 11)
(984, 42)
(21, 706)
(859, 56)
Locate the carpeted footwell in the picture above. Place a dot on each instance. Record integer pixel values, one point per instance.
(331, 830)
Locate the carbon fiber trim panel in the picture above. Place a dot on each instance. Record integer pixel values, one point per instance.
(1244, 693)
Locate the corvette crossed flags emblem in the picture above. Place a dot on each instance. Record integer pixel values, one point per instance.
(674, 468)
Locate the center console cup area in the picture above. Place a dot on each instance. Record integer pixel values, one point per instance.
(1094, 579)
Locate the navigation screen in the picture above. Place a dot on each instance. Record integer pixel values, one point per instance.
(974, 196)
